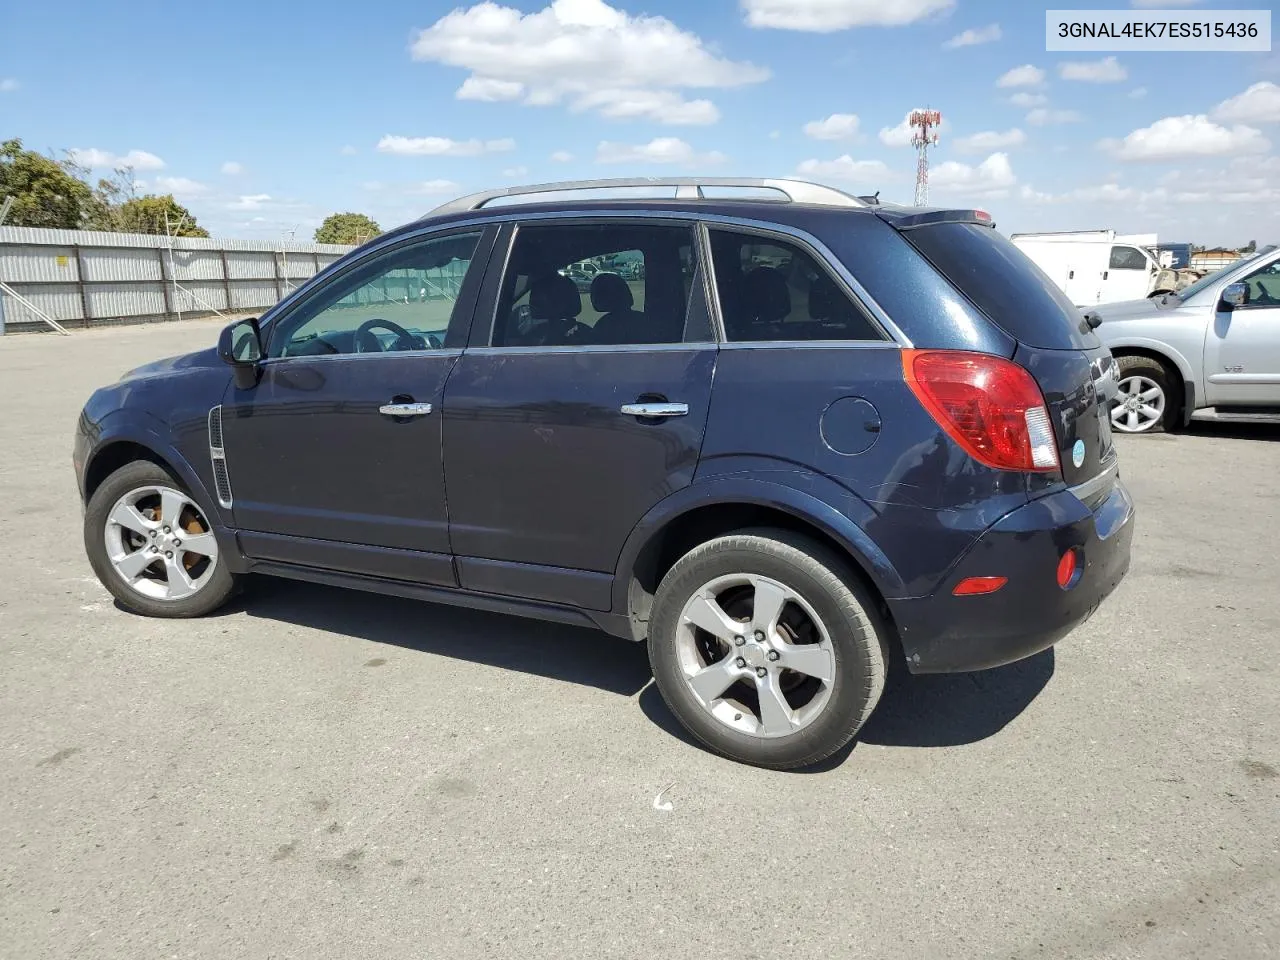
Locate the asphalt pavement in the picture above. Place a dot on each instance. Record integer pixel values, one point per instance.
(318, 773)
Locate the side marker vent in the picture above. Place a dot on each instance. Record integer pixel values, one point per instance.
(221, 479)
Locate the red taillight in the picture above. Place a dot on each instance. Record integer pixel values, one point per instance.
(975, 586)
(989, 405)
(1067, 568)
(982, 215)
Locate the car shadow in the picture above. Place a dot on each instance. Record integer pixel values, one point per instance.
(915, 711)
(936, 710)
(1234, 431)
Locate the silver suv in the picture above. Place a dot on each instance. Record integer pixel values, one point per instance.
(1209, 352)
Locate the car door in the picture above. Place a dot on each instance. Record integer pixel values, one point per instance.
(580, 403)
(334, 456)
(1242, 345)
(1127, 275)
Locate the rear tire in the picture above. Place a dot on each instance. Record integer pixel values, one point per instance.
(1150, 398)
(796, 691)
(152, 545)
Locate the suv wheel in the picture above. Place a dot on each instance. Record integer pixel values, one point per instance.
(1144, 403)
(767, 648)
(152, 546)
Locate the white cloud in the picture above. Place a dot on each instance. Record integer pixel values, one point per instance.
(660, 106)
(436, 186)
(372, 185)
(94, 158)
(562, 156)
(1137, 93)
(658, 150)
(992, 177)
(1186, 136)
(1259, 104)
(8, 85)
(442, 146)
(1106, 70)
(253, 201)
(490, 89)
(1043, 117)
(348, 151)
(825, 16)
(179, 186)
(1024, 99)
(989, 140)
(233, 169)
(1026, 75)
(838, 126)
(585, 52)
(848, 170)
(972, 37)
(900, 136)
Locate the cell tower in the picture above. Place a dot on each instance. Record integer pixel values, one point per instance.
(925, 123)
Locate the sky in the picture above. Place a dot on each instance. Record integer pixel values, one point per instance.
(264, 117)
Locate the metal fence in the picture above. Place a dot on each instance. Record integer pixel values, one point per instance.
(83, 278)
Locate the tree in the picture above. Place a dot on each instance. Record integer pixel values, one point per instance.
(45, 193)
(347, 228)
(1251, 247)
(148, 215)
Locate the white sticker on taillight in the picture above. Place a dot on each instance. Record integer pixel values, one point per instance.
(1044, 452)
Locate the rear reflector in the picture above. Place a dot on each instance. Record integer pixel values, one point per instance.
(990, 406)
(1067, 569)
(976, 586)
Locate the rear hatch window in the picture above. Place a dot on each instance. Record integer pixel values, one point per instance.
(1003, 283)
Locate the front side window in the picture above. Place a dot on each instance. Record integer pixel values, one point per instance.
(771, 289)
(595, 284)
(1264, 286)
(1127, 258)
(400, 301)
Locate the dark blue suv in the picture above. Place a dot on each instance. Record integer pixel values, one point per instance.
(774, 430)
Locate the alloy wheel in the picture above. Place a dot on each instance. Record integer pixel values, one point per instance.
(755, 655)
(160, 543)
(1139, 405)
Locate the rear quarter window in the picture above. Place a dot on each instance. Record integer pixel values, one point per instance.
(1002, 282)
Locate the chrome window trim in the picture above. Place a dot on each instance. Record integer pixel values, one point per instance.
(595, 348)
(518, 216)
(389, 354)
(825, 344)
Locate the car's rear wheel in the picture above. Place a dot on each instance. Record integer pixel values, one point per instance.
(152, 545)
(1145, 401)
(767, 648)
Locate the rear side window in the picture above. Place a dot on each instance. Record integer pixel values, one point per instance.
(606, 284)
(1002, 282)
(771, 289)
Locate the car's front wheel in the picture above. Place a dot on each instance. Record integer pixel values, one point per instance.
(767, 648)
(152, 545)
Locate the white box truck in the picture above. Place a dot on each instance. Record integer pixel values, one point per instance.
(1098, 266)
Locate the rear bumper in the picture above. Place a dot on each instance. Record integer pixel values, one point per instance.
(943, 633)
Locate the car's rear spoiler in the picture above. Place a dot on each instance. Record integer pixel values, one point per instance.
(912, 220)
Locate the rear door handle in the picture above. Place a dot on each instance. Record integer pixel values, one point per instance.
(655, 409)
(405, 409)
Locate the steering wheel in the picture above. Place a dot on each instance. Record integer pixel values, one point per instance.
(365, 342)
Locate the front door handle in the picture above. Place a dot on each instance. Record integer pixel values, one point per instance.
(405, 409)
(655, 409)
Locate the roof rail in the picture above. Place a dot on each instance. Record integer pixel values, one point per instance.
(687, 188)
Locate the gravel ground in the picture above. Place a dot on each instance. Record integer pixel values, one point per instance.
(317, 773)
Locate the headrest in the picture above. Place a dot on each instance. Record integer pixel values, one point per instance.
(766, 295)
(554, 297)
(824, 299)
(609, 292)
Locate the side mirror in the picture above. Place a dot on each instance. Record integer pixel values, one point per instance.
(240, 346)
(1235, 295)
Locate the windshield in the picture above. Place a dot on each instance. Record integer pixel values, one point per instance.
(1209, 280)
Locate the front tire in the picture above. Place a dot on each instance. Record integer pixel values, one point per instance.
(152, 545)
(767, 648)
